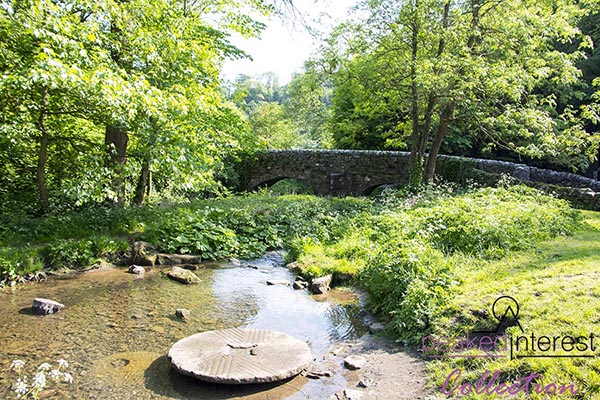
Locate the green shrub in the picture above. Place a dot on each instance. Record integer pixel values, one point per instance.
(493, 221)
(247, 226)
(15, 262)
(290, 186)
(73, 253)
(408, 283)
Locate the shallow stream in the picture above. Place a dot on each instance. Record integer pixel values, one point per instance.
(116, 329)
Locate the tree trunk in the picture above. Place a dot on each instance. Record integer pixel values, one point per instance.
(116, 141)
(43, 154)
(431, 102)
(415, 161)
(437, 142)
(149, 186)
(143, 185)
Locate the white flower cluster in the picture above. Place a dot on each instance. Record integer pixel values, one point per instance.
(45, 372)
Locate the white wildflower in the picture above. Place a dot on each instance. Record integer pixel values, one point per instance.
(62, 363)
(44, 367)
(21, 387)
(67, 377)
(39, 380)
(17, 365)
(55, 374)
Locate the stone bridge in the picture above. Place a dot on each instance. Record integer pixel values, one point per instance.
(359, 172)
(331, 172)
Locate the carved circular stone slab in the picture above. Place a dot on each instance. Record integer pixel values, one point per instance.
(240, 356)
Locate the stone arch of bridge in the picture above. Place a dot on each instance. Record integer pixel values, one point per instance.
(368, 190)
(268, 182)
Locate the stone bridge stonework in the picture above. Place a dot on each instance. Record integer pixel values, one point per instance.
(331, 172)
(359, 172)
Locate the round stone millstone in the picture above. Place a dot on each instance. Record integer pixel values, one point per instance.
(240, 356)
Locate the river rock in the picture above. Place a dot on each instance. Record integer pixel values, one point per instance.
(351, 394)
(45, 307)
(240, 356)
(280, 282)
(318, 374)
(137, 270)
(183, 313)
(321, 285)
(354, 362)
(376, 327)
(143, 253)
(295, 267)
(365, 383)
(178, 259)
(299, 285)
(183, 276)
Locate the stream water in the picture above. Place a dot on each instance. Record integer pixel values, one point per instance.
(116, 329)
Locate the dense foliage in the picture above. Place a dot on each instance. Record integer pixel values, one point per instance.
(468, 77)
(292, 116)
(219, 228)
(108, 101)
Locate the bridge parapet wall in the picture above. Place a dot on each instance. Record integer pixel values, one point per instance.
(356, 172)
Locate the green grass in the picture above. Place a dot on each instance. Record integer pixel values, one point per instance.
(557, 285)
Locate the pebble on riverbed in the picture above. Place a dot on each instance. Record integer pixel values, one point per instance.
(280, 282)
(299, 285)
(183, 313)
(365, 383)
(137, 270)
(45, 307)
(355, 362)
(318, 374)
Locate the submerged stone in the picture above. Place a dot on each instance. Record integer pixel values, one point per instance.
(183, 313)
(299, 285)
(183, 276)
(240, 356)
(279, 282)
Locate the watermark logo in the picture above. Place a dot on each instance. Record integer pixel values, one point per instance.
(497, 344)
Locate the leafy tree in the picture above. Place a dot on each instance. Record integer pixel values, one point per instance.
(307, 102)
(140, 76)
(248, 92)
(50, 72)
(270, 123)
(429, 65)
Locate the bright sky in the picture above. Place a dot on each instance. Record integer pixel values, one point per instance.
(285, 45)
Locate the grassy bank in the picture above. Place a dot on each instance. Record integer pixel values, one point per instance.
(410, 255)
(557, 287)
